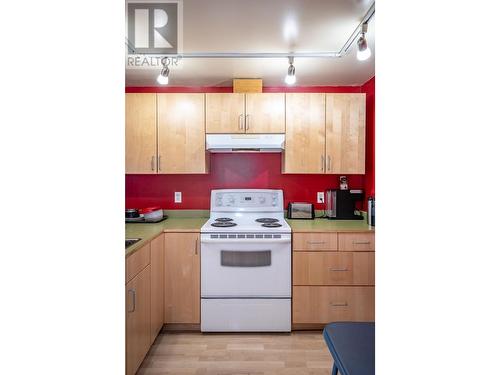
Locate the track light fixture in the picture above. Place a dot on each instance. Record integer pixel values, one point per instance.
(163, 76)
(364, 51)
(290, 78)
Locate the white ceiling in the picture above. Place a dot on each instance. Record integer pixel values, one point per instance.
(268, 26)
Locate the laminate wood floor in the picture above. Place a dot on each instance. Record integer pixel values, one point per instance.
(238, 354)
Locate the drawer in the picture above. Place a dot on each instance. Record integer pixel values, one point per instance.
(326, 304)
(137, 261)
(314, 241)
(333, 268)
(357, 241)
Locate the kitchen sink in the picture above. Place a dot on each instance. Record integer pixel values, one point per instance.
(131, 241)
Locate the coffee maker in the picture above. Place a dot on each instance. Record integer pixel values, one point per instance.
(341, 204)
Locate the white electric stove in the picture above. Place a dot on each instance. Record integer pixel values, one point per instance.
(246, 263)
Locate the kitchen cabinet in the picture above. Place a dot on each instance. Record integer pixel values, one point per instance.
(181, 133)
(333, 278)
(345, 133)
(253, 113)
(182, 278)
(140, 133)
(265, 113)
(138, 319)
(305, 133)
(157, 285)
(225, 113)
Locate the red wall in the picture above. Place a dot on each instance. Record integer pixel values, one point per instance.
(245, 170)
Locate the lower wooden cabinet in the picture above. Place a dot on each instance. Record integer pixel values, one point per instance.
(157, 285)
(138, 319)
(333, 268)
(326, 304)
(182, 278)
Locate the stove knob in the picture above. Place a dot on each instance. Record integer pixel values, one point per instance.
(262, 200)
(219, 202)
(231, 199)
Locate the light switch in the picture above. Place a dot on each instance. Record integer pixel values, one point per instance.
(178, 197)
(321, 197)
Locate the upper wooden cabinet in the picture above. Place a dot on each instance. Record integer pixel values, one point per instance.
(245, 113)
(265, 113)
(225, 113)
(181, 133)
(345, 133)
(140, 133)
(305, 133)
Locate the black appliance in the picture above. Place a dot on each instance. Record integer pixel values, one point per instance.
(341, 204)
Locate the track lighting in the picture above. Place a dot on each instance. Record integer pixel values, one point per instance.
(290, 78)
(364, 51)
(163, 76)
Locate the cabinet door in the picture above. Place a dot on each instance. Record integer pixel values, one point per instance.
(181, 133)
(182, 278)
(225, 113)
(265, 113)
(138, 319)
(157, 286)
(345, 133)
(305, 133)
(140, 133)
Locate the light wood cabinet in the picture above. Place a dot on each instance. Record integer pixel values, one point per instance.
(345, 133)
(182, 278)
(181, 133)
(265, 113)
(137, 261)
(325, 304)
(138, 319)
(305, 133)
(334, 268)
(157, 285)
(140, 133)
(314, 241)
(225, 113)
(357, 241)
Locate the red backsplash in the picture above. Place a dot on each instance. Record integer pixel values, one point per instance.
(259, 171)
(251, 171)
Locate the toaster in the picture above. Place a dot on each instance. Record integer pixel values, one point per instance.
(298, 210)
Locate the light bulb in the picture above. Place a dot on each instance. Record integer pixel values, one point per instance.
(290, 79)
(364, 55)
(162, 80)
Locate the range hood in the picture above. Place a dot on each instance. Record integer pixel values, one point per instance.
(245, 142)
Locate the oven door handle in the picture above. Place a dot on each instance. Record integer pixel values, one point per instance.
(244, 240)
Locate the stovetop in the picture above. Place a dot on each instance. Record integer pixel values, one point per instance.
(245, 223)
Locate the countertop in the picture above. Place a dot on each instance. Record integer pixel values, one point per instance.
(192, 222)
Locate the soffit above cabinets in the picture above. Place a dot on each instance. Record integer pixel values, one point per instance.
(268, 26)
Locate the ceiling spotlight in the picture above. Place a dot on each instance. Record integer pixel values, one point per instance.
(163, 76)
(364, 51)
(290, 78)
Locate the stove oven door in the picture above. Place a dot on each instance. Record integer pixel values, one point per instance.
(245, 268)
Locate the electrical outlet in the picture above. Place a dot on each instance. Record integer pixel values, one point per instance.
(321, 197)
(178, 197)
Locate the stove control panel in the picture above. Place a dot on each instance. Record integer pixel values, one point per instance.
(246, 200)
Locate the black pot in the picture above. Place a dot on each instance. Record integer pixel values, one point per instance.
(131, 213)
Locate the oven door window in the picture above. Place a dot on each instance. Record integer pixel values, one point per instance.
(230, 258)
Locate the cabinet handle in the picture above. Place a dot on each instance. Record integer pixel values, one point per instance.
(329, 163)
(338, 269)
(196, 247)
(159, 163)
(316, 242)
(361, 242)
(153, 163)
(322, 163)
(342, 304)
(247, 122)
(133, 299)
(240, 122)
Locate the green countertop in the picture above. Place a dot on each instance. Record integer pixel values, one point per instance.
(194, 220)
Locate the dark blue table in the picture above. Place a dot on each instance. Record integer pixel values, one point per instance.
(352, 345)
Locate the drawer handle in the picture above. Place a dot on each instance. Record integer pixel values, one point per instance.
(316, 242)
(133, 299)
(343, 304)
(338, 269)
(361, 242)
